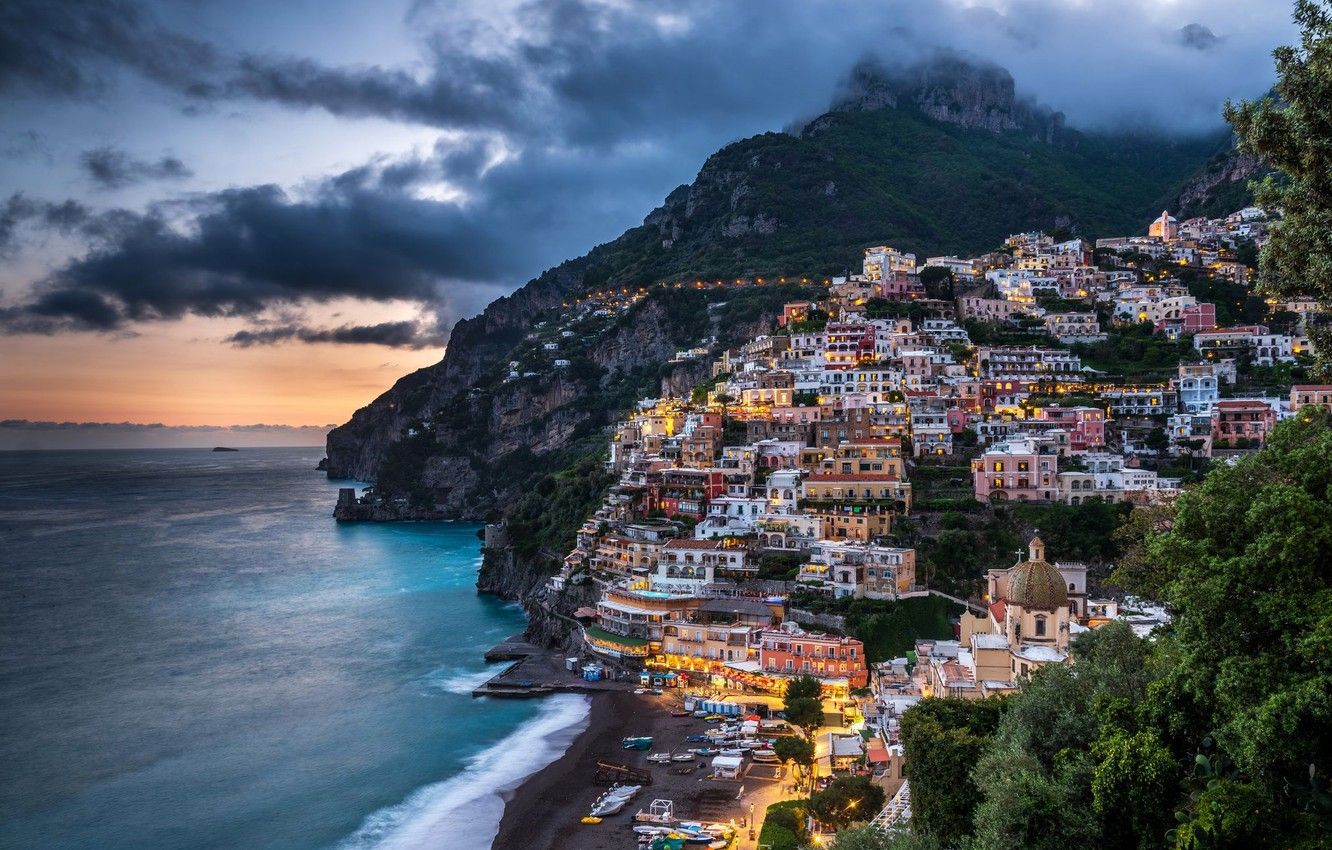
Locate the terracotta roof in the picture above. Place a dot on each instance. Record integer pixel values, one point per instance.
(690, 543)
(998, 610)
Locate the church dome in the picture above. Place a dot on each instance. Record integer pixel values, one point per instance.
(1036, 583)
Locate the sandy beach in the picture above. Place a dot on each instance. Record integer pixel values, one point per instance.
(544, 811)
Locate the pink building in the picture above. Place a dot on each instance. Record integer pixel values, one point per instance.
(849, 343)
(957, 420)
(1193, 319)
(1016, 471)
(899, 287)
(1241, 419)
(1085, 425)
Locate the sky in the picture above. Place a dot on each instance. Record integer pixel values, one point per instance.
(227, 212)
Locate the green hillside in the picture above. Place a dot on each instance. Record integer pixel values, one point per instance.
(780, 203)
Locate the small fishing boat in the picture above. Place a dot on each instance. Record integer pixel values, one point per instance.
(680, 712)
(732, 751)
(693, 739)
(707, 751)
(659, 758)
(765, 755)
(640, 742)
(687, 755)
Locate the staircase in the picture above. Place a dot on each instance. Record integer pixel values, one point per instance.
(895, 816)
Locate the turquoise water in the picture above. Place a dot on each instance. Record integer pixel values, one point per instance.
(193, 654)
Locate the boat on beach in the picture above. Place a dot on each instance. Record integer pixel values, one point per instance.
(688, 755)
(637, 742)
(659, 758)
(609, 806)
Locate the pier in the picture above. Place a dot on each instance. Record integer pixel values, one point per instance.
(536, 672)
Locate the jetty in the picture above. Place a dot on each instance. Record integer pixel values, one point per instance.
(534, 671)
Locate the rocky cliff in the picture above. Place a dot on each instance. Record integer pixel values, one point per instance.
(1221, 187)
(953, 91)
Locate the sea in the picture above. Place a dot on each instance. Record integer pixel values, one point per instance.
(193, 654)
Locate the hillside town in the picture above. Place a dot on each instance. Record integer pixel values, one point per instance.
(749, 515)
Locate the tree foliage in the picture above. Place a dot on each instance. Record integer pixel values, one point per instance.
(846, 800)
(943, 738)
(1291, 132)
(795, 749)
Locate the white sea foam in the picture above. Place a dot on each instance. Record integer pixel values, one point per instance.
(465, 810)
(458, 681)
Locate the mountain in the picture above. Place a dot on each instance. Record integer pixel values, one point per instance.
(939, 158)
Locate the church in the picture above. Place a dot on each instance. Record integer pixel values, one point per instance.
(1029, 622)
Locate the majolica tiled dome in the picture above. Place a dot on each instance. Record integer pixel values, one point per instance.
(1035, 583)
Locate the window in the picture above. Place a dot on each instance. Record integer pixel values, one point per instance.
(1040, 626)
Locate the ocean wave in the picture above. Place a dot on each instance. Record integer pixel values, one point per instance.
(457, 681)
(465, 810)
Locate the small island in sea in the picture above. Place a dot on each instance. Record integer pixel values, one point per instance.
(224, 449)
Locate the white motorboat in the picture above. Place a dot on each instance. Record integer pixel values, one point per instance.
(621, 792)
(764, 755)
(685, 756)
(609, 807)
(733, 751)
(659, 758)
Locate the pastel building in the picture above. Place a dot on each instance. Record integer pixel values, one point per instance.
(789, 651)
(1017, 470)
(1315, 395)
(1249, 420)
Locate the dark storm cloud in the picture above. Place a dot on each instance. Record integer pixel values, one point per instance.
(390, 334)
(110, 168)
(248, 249)
(1197, 36)
(72, 47)
(574, 119)
(18, 210)
(362, 234)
